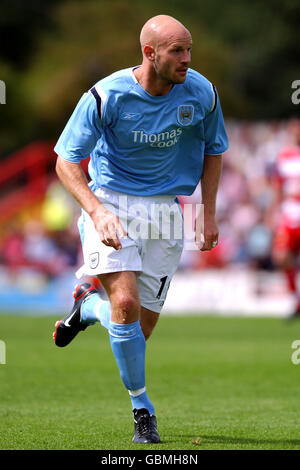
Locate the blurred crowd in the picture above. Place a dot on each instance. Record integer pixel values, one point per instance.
(50, 242)
(244, 198)
(45, 240)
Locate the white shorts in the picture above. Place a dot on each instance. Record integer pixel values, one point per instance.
(152, 248)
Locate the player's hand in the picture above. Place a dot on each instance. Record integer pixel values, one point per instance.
(109, 228)
(211, 234)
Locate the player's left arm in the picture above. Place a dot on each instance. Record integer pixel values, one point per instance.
(212, 169)
(216, 143)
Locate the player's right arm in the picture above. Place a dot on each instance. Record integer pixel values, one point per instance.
(76, 142)
(106, 223)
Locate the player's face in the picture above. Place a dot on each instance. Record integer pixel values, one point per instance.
(172, 59)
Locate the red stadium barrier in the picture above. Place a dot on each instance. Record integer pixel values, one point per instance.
(24, 178)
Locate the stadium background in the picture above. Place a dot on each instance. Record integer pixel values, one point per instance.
(247, 49)
(250, 51)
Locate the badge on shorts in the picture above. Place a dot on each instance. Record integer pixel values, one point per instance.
(185, 114)
(94, 260)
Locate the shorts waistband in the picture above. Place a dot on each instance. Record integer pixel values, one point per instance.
(107, 192)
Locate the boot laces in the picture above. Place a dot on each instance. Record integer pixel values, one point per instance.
(143, 425)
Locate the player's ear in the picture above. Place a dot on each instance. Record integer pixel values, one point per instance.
(149, 52)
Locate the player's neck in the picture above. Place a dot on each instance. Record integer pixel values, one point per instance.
(151, 83)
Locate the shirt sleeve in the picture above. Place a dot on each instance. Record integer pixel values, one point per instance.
(216, 140)
(82, 131)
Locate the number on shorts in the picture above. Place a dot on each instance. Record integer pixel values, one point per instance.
(163, 281)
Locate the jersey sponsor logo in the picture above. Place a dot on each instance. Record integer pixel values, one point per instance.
(185, 114)
(130, 116)
(161, 139)
(94, 260)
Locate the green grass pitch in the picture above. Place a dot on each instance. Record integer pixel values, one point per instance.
(217, 383)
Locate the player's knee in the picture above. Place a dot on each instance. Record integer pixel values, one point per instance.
(128, 307)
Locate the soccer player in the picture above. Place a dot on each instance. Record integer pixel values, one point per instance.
(286, 208)
(152, 131)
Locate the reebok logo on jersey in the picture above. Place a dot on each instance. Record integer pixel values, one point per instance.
(130, 116)
(163, 139)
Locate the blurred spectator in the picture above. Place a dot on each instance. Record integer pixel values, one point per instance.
(41, 251)
(12, 250)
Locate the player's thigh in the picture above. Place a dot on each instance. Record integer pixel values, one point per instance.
(122, 290)
(159, 263)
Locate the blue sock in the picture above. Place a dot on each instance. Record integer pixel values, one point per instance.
(129, 347)
(95, 309)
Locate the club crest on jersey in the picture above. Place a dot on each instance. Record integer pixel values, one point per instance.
(185, 114)
(94, 260)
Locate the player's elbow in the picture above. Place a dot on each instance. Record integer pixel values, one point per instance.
(60, 167)
(57, 166)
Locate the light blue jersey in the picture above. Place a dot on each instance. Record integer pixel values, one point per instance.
(142, 144)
